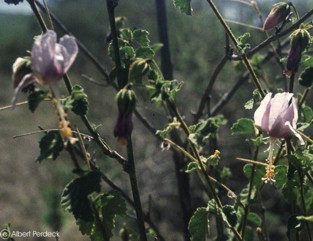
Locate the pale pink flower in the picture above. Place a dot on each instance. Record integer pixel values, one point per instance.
(49, 61)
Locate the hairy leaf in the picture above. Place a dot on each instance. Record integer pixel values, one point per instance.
(229, 215)
(142, 37)
(184, 6)
(198, 225)
(50, 146)
(75, 195)
(108, 206)
(243, 126)
(35, 98)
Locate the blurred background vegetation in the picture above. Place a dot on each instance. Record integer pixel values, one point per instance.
(30, 192)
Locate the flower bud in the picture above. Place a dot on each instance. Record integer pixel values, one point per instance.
(277, 116)
(299, 41)
(278, 14)
(126, 100)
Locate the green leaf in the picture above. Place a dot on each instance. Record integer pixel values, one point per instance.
(255, 218)
(156, 47)
(137, 70)
(107, 206)
(191, 167)
(75, 196)
(50, 146)
(307, 113)
(198, 225)
(142, 37)
(145, 52)
(77, 101)
(280, 175)
(205, 129)
(229, 215)
(184, 6)
(243, 126)
(126, 34)
(35, 98)
(306, 77)
(127, 52)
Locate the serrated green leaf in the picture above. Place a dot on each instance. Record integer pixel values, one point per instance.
(35, 98)
(306, 77)
(229, 215)
(126, 34)
(108, 206)
(191, 167)
(280, 176)
(142, 37)
(75, 195)
(51, 144)
(79, 100)
(127, 52)
(243, 126)
(198, 225)
(184, 6)
(145, 52)
(205, 129)
(249, 104)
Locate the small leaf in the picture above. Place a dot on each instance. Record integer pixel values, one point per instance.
(108, 206)
(307, 113)
(184, 6)
(243, 126)
(142, 37)
(249, 104)
(35, 98)
(230, 215)
(80, 101)
(50, 146)
(145, 52)
(198, 225)
(306, 77)
(191, 167)
(127, 52)
(75, 195)
(156, 47)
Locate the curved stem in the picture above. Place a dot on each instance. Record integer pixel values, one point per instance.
(38, 15)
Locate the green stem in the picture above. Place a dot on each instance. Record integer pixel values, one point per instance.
(233, 38)
(135, 190)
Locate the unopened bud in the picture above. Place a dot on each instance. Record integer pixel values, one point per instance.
(278, 14)
(126, 100)
(299, 41)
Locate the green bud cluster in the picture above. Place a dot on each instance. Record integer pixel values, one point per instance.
(126, 100)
